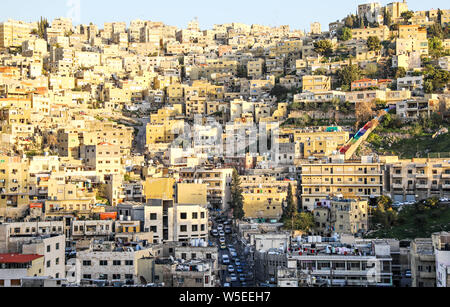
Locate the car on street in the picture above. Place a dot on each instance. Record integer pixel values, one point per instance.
(233, 254)
(222, 240)
(239, 269)
(230, 269)
(220, 227)
(214, 232)
(233, 277)
(222, 233)
(226, 285)
(223, 246)
(225, 259)
(237, 262)
(228, 230)
(242, 278)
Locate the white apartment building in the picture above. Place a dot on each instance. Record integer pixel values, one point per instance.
(171, 222)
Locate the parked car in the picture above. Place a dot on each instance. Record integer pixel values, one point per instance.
(230, 269)
(222, 233)
(220, 227)
(223, 246)
(214, 232)
(226, 285)
(222, 240)
(233, 277)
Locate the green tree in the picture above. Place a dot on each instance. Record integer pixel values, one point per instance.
(237, 199)
(438, 78)
(348, 74)
(42, 28)
(374, 43)
(345, 34)
(349, 21)
(303, 221)
(400, 72)
(291, 208)
(435, 30)
(435, 46)
(242, 71)
(387, 18)
(407, 16)
(320, 72)
(384, 202)
(371, 70)
(324, 47)
(280, 92)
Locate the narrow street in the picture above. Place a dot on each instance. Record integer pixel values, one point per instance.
(241, 275)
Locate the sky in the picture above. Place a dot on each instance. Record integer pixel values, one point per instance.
(296, 13)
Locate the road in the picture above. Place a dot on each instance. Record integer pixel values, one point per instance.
(225, 276)
(141, 137)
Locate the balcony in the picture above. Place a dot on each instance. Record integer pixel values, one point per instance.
(422, 186)
(397, 186)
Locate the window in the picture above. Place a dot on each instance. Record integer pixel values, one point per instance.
(194, 215)
(86, 263)
(194, 228)
(153, 216)
(117, 262)
(103, 262)
(183, 216)
(128, 262)
(116, 276)
(15, 282)
(183, 228)
(48, 263)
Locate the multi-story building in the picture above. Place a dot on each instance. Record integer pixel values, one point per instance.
(325, 263)
(13, 33)
(172, 222)
(352, 179)
(441, 244)
(417, 179)
(316, 83)
(265, 197)
(219, 183)
(14, 267)
(343, 216)
(423, 263)
(112, 263)
(104, 158)
(14, 196)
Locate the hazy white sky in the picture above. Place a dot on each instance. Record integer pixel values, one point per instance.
(296, 13)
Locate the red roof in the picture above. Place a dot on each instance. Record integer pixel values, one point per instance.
(18, 258)
(363, 80)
